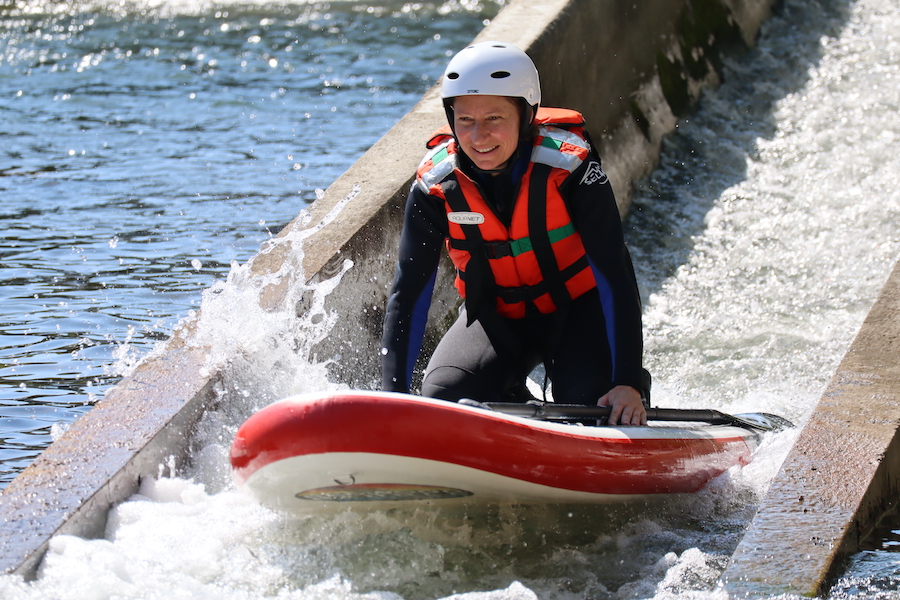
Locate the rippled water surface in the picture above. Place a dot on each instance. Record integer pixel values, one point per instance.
(147, 145)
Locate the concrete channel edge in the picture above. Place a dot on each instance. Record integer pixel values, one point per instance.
(841, 476)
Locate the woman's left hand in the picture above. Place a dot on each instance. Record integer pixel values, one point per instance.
(627, 406)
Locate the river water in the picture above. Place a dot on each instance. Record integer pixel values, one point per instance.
(151, 151)
(147, 145)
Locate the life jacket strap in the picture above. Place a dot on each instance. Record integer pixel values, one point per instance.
(543, 247)
(513, 247)
(530, 293)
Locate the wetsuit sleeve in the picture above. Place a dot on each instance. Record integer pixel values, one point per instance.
(424, 231)
(594, 212)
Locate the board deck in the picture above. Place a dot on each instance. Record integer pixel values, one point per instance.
(376, 447)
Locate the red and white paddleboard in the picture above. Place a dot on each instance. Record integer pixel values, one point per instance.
(358, 446)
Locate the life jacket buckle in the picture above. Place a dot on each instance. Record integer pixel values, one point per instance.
(526, 293)
(497, 249)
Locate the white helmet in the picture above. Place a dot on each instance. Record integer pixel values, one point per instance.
(492, 69)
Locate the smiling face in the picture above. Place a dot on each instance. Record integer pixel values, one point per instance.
(487, 128)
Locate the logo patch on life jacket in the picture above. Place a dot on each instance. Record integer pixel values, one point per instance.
(594, 174)
(465, 218)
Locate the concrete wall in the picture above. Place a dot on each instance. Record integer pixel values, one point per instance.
(630, 65)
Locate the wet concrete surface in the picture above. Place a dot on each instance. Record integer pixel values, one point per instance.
(70, 487)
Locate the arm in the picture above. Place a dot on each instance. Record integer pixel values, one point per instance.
(424, 231)
(595, 214)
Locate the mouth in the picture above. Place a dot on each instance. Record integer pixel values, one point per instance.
(486, 150)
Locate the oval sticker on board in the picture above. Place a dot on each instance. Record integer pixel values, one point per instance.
(465, 218)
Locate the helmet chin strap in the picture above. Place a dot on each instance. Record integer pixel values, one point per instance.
(525, 132)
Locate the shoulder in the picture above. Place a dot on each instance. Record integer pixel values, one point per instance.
(560, 148)
(592, 173)
(564, 130)
(561, 117)
(438, 163)
(560, 138)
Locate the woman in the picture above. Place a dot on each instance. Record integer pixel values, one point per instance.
(532, 226)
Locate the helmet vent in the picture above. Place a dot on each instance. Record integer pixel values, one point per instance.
(500, 74)
(452, 75)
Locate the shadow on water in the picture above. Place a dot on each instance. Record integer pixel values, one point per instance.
(709, 151)
(874, 572)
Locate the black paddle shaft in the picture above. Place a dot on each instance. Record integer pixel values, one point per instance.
(571, 412)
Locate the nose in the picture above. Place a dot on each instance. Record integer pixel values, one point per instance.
(479, 130)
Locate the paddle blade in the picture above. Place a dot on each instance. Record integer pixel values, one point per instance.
(764, 421)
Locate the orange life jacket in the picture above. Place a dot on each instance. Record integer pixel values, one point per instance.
(538, 260)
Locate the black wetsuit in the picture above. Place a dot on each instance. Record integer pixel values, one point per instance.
(589, 347)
